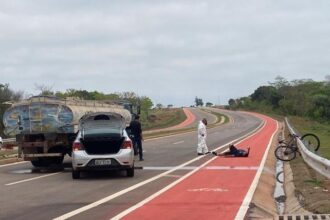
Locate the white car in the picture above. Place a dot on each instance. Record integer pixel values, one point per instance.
(102, 143)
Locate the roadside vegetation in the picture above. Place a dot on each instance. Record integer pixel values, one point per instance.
(311, 189)
(306, 103)
(6, 153)
(162, 118)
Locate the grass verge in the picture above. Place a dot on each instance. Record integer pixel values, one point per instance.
(311, 188)
(321, 130)
(4, 154)
(162, 118)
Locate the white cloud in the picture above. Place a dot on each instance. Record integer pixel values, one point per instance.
(171, 51)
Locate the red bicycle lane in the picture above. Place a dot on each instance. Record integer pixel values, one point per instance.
(217, 189)
(189, 120)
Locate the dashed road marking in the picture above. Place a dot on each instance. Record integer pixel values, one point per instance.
(179, 142)
(30, 179)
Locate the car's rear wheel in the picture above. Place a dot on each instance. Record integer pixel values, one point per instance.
(75, 174)
(130, 172)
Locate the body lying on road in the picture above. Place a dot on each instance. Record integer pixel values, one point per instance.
(234, 152)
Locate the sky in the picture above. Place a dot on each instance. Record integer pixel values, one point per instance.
(170, 51)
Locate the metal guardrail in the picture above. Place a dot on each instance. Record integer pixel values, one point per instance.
(319, 164)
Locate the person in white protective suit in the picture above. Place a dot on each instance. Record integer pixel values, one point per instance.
(201, 146)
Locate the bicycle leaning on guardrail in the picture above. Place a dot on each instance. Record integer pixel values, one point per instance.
(287, 151)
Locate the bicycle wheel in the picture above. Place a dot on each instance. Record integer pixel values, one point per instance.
(285, 153)
(311, 141)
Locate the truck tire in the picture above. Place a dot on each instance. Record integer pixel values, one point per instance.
(46, 162)
(75, 174)
(56, 160)
(37, 163)
(40, 162)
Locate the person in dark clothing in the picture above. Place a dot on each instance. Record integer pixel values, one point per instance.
(234, 152)
(136, 136)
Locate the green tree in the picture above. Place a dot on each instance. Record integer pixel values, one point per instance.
(267, 94)
(199, 101)
(145, 103)
(44, 90)
(159, 106)
(280, 82)
(232, 103)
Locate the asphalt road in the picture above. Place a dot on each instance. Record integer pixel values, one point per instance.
(200, 114)
(29, 193)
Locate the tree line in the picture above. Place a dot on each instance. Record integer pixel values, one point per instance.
(305, 98)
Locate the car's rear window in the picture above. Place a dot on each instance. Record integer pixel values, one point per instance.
(99, 121)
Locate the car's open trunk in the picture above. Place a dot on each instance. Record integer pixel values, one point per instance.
(102, 134)
(102, 146)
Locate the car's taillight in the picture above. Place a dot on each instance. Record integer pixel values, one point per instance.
(127, 144)
(77, 146)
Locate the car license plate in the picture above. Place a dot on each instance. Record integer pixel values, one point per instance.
(102, 162)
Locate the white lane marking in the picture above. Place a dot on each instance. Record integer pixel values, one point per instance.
(124, 191)
(11, 164)
(174, 176)
(27, 180)
(138, 205)
(179, 142)
(246, 202)
(169, 168)
(206, 168)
